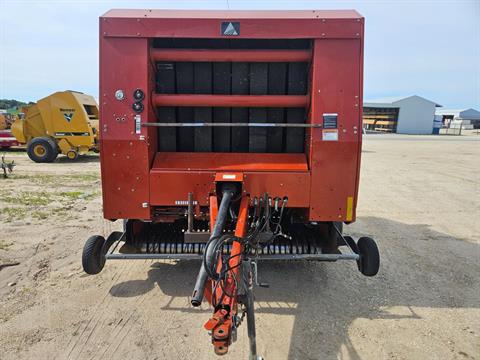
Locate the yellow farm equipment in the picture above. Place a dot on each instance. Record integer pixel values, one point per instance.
(64, 122)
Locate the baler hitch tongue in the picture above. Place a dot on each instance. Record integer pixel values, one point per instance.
(226, 280)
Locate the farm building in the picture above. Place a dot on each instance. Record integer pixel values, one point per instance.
(403, 115)
(466, 118)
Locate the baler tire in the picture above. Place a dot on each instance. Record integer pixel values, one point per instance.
(72, 155)
(93, 256)
(369, 262)
(42, 144)
(55, 151)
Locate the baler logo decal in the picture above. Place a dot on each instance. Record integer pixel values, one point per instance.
(68, 114)
(230, 28)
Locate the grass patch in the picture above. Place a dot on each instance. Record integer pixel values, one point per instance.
(13, 213)
(43, 198)
(4, 245)
(77, 195)
(56, 179)
(27, 198)
(73, 195)
(35, 204)
(85, 177)
(50, 195)
(40, 215)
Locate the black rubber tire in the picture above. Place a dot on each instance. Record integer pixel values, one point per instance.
(93, 256)
(54, 146)
(51, 150)
(369, 256)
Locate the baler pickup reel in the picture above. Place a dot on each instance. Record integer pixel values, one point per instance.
(243, 231)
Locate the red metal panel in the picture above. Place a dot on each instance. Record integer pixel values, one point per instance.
(191, 161)
(336, 88)
(294, 185)
(231, 100)
(167, 188)
(124, 155)
(231, 55)
(125, 183)
(261, 25)
(170, 187)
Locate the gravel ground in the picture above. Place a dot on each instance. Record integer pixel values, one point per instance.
(419, 198)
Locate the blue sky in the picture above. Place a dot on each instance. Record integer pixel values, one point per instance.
(428, 48)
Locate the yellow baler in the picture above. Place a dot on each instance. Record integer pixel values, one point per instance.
(64, 122)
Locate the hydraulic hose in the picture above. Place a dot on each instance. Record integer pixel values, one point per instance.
(202, 276)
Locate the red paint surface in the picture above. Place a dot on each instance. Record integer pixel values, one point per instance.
(319, 180)
(230, 55)
(193, 161)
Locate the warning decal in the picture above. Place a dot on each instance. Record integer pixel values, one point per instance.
(330, 135)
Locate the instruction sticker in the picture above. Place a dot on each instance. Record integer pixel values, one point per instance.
(330, 135)
(330, 120)
(138, 124)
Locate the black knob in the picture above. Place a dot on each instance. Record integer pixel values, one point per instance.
(137, 107)
(138, 95)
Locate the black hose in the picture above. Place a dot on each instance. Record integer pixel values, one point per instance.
(202, 276)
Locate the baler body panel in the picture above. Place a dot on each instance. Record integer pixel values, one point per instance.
(171, 57)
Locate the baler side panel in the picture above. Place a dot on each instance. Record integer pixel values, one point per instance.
(336, 89)
(125, 157)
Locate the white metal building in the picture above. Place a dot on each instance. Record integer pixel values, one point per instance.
(404, 115)
(467, 118)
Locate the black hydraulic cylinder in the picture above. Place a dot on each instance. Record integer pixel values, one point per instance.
(202, 277)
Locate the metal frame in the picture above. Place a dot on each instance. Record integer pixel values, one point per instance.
(286, 257)
(220, 124)
(288, 101)
(230, 55)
